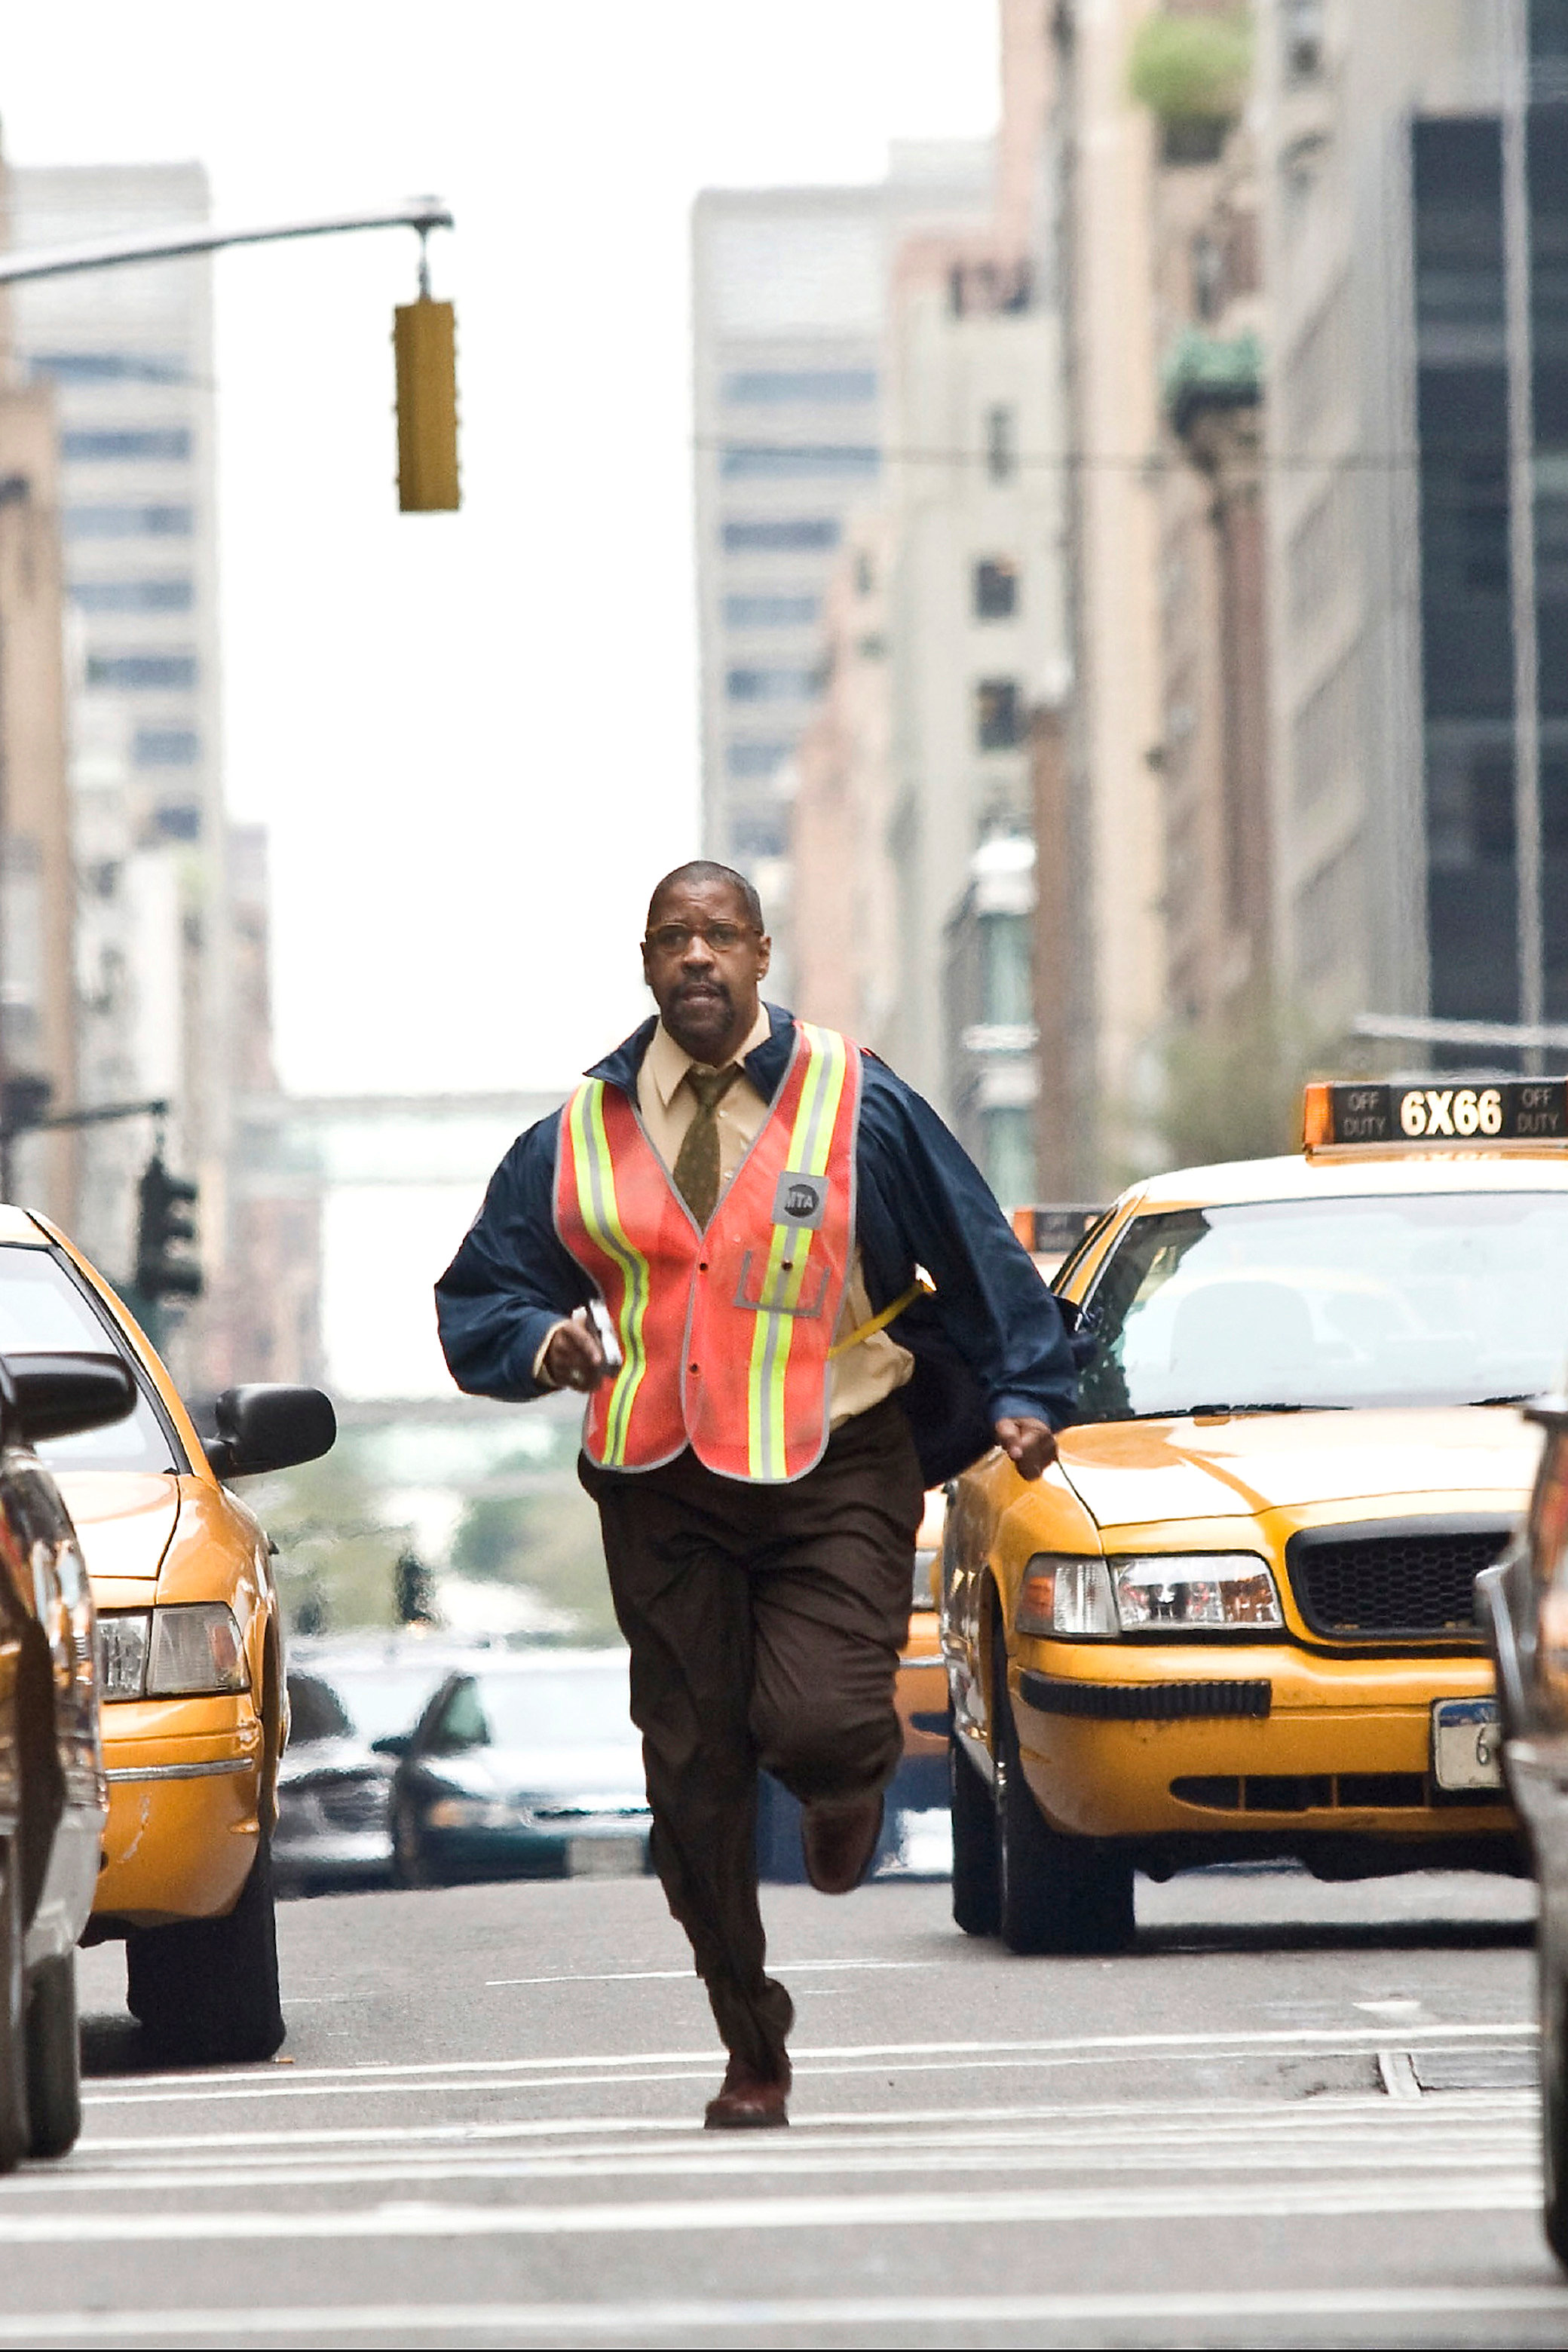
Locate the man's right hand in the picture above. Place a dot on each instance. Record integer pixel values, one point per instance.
(575, 1359)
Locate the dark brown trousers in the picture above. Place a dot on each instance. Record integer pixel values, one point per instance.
(765, 1624)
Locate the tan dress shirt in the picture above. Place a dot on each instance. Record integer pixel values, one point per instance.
(865, 1373)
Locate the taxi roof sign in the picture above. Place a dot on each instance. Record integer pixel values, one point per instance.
(1337, 1114)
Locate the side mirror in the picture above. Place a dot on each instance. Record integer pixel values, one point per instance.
(268, 1426)
(393, 1743)
(64, 1396)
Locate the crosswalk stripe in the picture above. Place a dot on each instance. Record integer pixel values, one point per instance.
(1463, 2192)
(630, 2323)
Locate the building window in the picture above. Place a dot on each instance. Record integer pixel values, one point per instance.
(165, 444)
(843, 464)
(1009, 1153)
(1000, 444)
(109, 367)
(133, 596)
(772, 685)
(998, 714)
(763, 612)
(785, 535)
(996, 589)
(769, 387)
(141, 671)
(1007, 986)
(1301, 25)
(758, 836)
(180, 824)
(166, 747)
(128, 522)
(755, 759)
(865, 573)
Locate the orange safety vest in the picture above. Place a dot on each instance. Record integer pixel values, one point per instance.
(724, 1333)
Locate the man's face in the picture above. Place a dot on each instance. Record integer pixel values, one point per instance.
(705, 986)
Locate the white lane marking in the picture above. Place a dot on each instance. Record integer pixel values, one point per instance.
(631, 2321)
(1396, 2010)
(265, 2084)
(647, 1975)
(1331, 2110)
(1460, 2148)
(988, 2209)
(1398, 2074)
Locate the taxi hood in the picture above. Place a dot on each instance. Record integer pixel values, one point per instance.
(1130, 1473)
(124, 1519)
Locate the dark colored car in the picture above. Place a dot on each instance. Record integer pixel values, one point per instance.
(1523, 1604)
(524, 1767)
(335, 1786)
(54, 1797)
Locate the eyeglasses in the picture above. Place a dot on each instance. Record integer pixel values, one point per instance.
(674, 939)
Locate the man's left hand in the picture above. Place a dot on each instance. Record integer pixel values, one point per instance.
(1029, 1445)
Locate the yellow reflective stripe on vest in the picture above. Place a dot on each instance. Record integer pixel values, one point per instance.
(816, 1118)
(601, 1217)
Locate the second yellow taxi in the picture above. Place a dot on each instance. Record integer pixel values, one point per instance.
(1237, 1619)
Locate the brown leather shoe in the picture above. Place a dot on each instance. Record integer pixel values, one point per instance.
(748, 2101)
(838, 1842)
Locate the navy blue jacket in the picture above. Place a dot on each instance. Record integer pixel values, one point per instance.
(991, 1343)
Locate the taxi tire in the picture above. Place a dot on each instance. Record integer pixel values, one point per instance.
(977, 1863)
(206, 1989)
(13, 2017)
(1058, 1894)
(54, 2059)
(1553, 2092)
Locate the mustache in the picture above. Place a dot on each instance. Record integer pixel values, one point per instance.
(690, 988)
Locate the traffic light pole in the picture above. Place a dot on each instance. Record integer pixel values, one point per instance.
(420, 212)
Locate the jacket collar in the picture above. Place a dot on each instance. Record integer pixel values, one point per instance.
(766, 1066)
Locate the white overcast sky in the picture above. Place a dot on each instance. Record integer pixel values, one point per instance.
(473, 737)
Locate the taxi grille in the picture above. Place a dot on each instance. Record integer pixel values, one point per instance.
(1393, 1577)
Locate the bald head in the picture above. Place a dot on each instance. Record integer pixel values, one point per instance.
(709, 874)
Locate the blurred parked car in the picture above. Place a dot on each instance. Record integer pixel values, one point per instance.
(1523, 1604)
(334, 1785)
(522, 1767)
(53, 1794)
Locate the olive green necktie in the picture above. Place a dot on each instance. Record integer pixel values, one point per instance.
(696, 1162)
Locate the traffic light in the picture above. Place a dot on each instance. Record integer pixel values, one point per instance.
(424, 341)
(163, 1220)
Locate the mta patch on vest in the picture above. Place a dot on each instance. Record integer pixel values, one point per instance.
(800, 1200)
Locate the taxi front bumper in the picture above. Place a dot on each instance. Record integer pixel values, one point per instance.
(1177, 1741)
(184, 1784)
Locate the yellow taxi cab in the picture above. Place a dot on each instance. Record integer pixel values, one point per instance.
(1237, 1619)
(921, 1690)
(190, 1641)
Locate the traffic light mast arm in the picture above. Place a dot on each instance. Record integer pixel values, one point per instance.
(421, 213)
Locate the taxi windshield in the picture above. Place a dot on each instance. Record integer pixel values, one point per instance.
(43, 1309)
(1409, 1299)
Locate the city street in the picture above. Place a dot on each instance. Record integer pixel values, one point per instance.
(1297, 2115)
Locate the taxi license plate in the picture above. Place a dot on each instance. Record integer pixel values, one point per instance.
(1466, 1744)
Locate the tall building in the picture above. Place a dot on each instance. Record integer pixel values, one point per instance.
(1417, 233)
(790, 307)
(129, 355)
(37, 882)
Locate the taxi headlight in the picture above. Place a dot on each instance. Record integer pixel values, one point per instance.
(1063, 1595)
(122, 1652)
(191, 1650)
(1201, 1589)
(195, 1651)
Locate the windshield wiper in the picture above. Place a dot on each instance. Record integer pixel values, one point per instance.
(1528, 1397)
(1215, 1411)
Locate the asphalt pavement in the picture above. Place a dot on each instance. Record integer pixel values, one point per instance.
(1296, 2114)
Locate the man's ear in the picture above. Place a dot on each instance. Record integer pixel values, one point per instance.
(765, 957)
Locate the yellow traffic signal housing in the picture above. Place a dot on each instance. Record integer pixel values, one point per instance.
(423, 339)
